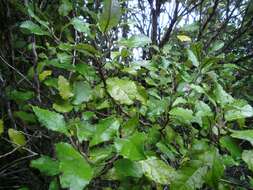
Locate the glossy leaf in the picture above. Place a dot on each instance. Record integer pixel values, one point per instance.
(76, 171)
(131, 147)
(182, 113)
(222, 97)
(239, 112)
(128, 168)
(157, 170)
(105, 130)
(51, 120)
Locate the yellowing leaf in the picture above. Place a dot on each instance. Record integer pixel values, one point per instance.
(44, 74)
(1, 126)
(64, 88)
(184, 38)
(17, 137)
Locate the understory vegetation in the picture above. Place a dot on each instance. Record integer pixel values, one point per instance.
(126, 94)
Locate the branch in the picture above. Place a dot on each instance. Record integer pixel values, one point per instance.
(208, 20)
(166, 36)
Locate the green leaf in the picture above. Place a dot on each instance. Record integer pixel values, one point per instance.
(82, 92)
(125, 91)
(1, 127)
(105, 130)
(110, 16)
(212, 159)
(221, 96)
(51, 120)
(44, 74)
(65, 7)
(230, 144)
(247, 157)
(87, 48)
(239, 111)
(64, 88)
(157, 170)
(183, 114)
(216, 46)
(46, 165)
(135, 41)
(203, 110)
(32, 14)
(131, 147)
(17, 137)
(128, 168)
(81, 26)
(100, 154)
(33, 28)
(76, 171)
(63, 107)
(20, 96)
(184, 38)
(86, 70)
(130, 126)
(84, 130)
(192, 57)
(243, 134)
(54, 185)
(26, 117)
(189, 178)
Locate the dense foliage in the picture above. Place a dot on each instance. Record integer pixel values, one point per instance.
(121, 94)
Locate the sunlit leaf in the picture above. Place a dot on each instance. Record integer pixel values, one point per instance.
(184, 38)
